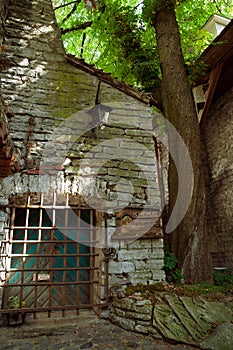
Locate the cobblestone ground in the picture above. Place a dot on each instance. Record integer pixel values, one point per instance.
(85, 331)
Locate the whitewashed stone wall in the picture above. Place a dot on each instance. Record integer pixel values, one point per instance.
(141, 263)
(42, 89)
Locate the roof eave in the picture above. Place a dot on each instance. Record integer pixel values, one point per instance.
(143, 97)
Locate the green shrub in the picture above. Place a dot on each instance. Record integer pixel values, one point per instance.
(223, 278)
(13, 302)
(173, 273)
(170, 261)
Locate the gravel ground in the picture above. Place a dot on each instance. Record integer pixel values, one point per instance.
(85, 331)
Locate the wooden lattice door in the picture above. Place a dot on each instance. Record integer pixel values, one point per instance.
(52, 259)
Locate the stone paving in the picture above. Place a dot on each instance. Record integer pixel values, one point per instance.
(85, 331)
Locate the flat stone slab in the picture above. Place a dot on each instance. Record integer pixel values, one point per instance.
(220, 339)
(189, 320)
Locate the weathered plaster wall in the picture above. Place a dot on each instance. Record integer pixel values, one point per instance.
(43, 89)
(219, 143)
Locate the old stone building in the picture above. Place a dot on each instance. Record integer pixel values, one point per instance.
(80, 188)
(80, 183)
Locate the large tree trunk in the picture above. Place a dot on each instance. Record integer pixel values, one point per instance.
(189, 240)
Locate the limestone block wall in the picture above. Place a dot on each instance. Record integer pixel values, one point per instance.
(171, 317)
(110, 166)
(39, 81)
(219, 143)
(141, 262)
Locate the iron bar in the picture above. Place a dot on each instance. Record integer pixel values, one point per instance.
(54, 269)
(47, 255)
(46, 228)
(53, 308)
(43, 283)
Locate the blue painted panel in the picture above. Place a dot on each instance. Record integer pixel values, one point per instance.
(73, 244)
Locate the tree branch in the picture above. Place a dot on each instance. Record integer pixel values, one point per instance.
(70, 13)
(81, 26)
(83, 43)
(69, 3)
(217, 7)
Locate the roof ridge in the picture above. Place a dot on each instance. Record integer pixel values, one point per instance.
(145, 97)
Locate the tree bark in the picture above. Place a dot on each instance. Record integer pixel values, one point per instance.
(189, 239)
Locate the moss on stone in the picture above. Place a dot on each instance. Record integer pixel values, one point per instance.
(203, 290)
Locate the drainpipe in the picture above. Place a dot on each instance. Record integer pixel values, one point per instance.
(160, 182)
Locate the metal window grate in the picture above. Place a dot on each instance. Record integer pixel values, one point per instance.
(51, 258)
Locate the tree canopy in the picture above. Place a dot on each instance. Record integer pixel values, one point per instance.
(118, 36)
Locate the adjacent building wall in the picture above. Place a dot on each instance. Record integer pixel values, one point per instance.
(219, 143)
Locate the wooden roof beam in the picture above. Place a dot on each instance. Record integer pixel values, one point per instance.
(213, 81)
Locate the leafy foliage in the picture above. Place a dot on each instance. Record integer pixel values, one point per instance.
(170, 267)
(223, 278)
(118, 36)
(170, 261)
(14, 303)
